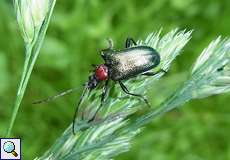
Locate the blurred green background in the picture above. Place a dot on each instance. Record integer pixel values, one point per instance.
(200, 130)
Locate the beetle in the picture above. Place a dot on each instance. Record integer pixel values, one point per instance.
(120, 65)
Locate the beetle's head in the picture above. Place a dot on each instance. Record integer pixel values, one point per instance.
(100, 74)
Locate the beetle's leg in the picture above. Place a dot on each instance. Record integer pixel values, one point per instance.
(125, 89)
(129, 42)
(103, 95)
(221, 68)
(110, 42)
(77, 107)
(153, 73)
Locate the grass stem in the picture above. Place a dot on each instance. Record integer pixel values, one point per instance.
(32, 52)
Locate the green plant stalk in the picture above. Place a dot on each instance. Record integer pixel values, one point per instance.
(171, 103)
(25, 67)
(20, 92)
(32, 49)
(178, 98)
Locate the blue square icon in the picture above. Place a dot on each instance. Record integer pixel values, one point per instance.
(10, 148)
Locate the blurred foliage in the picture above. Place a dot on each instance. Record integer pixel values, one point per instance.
(78, 29)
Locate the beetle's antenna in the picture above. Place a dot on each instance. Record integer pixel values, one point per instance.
(77, 106)
(56, 96)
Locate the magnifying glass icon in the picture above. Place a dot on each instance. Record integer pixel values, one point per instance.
(9, 147)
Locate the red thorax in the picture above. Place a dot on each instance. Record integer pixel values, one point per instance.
(101, 72)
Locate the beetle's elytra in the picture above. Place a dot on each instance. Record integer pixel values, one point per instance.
(121, 65)
(130, 62)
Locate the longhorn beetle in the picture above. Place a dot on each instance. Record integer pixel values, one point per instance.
(118, 65)
(121, 65)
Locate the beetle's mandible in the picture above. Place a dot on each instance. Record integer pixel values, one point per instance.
(121, 65)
